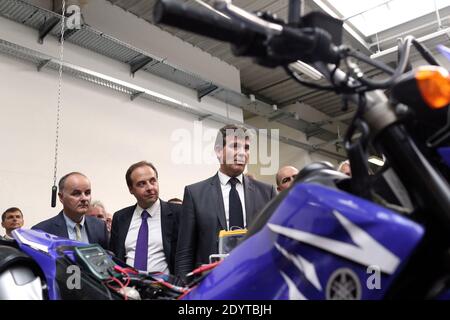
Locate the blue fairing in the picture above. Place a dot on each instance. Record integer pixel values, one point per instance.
(444, 296)
(445, 154)
(42, 247)
(318, 244)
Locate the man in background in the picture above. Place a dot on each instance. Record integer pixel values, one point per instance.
(344, 167)
(96, 209)
(12, 219)
(285, 177)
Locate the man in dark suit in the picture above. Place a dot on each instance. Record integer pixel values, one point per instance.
(225, 201)
(145, 234)
(72, 222)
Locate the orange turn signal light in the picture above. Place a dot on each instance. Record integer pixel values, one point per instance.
(434, 86)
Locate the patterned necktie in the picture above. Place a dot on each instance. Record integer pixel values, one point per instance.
(141, 255)
(235, 206)
(78, 232)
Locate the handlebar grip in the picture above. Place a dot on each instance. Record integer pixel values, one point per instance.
(198, 20)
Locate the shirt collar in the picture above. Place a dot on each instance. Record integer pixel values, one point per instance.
(71, 224)
(8, 237)
(224, 178)
(152, 211)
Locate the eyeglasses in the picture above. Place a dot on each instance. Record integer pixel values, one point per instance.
(288, 179)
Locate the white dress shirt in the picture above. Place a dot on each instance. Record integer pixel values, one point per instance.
(226, 187)
(71, 229)
(156, 260)
(6, 237)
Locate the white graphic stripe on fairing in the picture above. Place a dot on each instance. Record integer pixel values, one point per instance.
(368, 252)
(30, 243)
(303, 265)
(294, 293)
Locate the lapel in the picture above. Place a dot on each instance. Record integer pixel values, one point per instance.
(166, 222)
(125, 222)
(217, 198)
(61, 226)
(88, 227)
(249, 190)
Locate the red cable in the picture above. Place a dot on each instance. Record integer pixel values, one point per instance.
(204, 268)
(122, 287)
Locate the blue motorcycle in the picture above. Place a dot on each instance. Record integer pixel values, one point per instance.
(372, 236)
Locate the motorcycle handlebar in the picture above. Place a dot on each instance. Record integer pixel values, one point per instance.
(199, 20)
(277, 44)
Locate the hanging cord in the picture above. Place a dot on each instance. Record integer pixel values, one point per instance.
(58, 111)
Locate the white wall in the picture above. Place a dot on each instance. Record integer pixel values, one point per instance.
(289, 155)
(102, 131)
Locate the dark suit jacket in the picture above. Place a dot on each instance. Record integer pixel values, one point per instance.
(170, 213)
(204, 216)
(95, 228)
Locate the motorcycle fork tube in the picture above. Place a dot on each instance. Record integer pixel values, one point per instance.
(431, 190)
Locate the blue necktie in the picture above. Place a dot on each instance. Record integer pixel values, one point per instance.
(235, 206)
(141, 255)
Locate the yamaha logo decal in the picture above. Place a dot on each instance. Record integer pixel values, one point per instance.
(343, 284)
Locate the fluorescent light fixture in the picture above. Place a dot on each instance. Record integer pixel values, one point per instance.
(376, 161)
(306, 69)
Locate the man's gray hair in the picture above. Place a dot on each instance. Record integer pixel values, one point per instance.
(341, 165)
(97, 203)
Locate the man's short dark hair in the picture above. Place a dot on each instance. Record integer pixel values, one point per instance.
(238, 130)
(62, 181)
(12, 209)
(134, 167)
(175, 200)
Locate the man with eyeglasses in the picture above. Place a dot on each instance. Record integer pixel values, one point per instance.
(285, 177)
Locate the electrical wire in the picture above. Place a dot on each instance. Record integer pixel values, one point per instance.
(204, 268)
(361, 57)
(425, 53)
(404, 52)
(121, 286)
